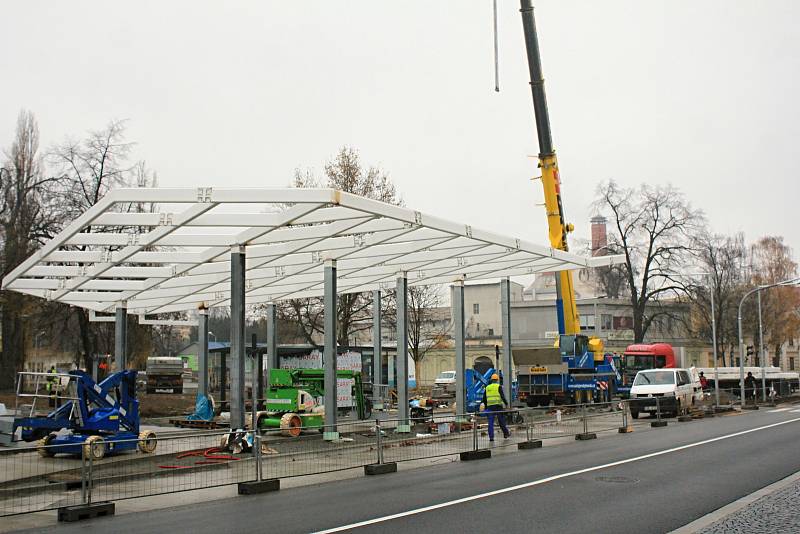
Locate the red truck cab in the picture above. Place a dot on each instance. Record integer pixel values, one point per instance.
(643, 356)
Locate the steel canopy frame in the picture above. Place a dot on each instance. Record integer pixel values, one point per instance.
(177, 258)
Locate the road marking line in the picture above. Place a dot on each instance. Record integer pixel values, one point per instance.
(779, 410)
(795, 411)
(547, 479)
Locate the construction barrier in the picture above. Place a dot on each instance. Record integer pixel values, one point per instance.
(36, 478)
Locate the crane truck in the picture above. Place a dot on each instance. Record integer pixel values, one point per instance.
(580, 371)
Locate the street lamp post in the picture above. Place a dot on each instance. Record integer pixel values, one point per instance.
(761, 352)
(713, 335)
(714, 345)
(741, 338)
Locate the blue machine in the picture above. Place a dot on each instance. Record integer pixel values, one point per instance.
(586, 374)
(476, 383)
(101, 419)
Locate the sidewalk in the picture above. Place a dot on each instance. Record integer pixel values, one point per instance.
(775, 508)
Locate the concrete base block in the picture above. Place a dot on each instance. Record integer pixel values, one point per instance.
(403, 429)
(658, 424)
(750, 407)
(625, 429)
(585, 436)
(685, 419)
(526, 445)
(259, 486)
(85, 511)
(480, 454)
(708, 414)
(380, 469)
(330, 436)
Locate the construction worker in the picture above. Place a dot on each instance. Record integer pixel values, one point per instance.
(495, 402)
(52, 379)
(750, 387)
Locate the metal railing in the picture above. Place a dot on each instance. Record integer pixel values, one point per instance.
(42, 478)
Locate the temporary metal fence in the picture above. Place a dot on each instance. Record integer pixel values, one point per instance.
(40, 478)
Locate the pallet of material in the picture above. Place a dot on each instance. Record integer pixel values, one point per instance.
(189, 423)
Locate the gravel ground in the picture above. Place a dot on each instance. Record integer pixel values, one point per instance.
(776, 512)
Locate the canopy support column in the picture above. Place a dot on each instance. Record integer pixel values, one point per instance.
(202, 352)
(505, 312)
(377, 349)
(121, 335)
(458, 336)
(329, 356)
(273, 360)
(237, 337)
(402, 354)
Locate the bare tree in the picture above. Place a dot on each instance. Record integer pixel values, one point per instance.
(91, 168)
(426, 329)
(28, 216)
(653, 228)
(346, 173)
(722, 257)
(771, 263)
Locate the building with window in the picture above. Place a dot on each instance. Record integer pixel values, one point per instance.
(534, 324)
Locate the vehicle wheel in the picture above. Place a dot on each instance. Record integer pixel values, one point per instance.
(147, 441)
(43, 450)
(94, 447)
(635, 414)
(291, 425)
(179, 391)
(260, 418)
(367, 408)
(531, 402)
(678, 409)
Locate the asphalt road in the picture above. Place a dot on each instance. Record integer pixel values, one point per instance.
(565, 488)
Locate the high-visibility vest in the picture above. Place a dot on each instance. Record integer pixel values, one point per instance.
(493, 397)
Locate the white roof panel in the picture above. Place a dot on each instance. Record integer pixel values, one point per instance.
(177, 258)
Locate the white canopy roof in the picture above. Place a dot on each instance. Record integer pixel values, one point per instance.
(178, 257)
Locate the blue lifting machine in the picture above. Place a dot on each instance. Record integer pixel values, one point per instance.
(90, 418)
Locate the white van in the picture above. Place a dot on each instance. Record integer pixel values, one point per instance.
(674, 389)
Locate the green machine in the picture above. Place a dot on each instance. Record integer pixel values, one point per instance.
(292, 400)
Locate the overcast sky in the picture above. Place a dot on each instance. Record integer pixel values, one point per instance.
(703, 94)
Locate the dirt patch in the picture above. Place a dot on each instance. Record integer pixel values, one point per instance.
(165, 404)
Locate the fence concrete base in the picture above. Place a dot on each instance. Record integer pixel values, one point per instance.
(685, 418)
(750, 407)
(480, 454)
(526, 445)
(255, 487)
(625, 429)
(380, 469)
(658, 424)
(585, 436)
(85, 511)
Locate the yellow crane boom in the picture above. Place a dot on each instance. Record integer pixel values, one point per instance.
(567, 309)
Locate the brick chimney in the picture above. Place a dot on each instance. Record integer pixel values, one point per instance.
(599, 236)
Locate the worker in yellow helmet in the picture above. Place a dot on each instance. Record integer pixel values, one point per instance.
(495, 402)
